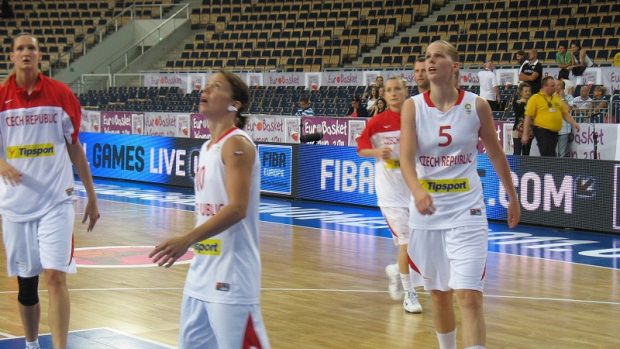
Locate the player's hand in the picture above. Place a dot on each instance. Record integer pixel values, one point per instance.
(385, 153)
(424, 202)
(514, 213)
(91, 214)
(9, 174)
(577, 127)
(166, 253)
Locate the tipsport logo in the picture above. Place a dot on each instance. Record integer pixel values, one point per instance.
(30, 151)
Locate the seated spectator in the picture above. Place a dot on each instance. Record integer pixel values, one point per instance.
(305, 108)
(563, 59)
(380, 106)
(356, 110)
(599, 105)
(579, 62)
(582, 104)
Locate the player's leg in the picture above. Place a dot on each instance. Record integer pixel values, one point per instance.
(467, 250)
(427, 253)
(238, 326)
(55, 233)
(195, 330)
(23, 261)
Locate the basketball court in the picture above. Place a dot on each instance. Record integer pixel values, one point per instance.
(323, 282)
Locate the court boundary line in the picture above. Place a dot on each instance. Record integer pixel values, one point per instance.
(6, 335)
(101, 328)
(290, 289)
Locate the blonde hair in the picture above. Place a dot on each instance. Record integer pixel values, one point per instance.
(398, 78)
(449, 48)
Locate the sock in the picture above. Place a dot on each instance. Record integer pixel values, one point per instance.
(447, 340)
(406, 281)
(33, 345)
(476, 347)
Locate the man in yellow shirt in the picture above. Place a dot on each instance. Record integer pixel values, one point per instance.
(546, 109)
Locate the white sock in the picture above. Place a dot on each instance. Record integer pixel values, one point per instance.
(476, 347)
(33, 345)
(406, 281)
(447, 340)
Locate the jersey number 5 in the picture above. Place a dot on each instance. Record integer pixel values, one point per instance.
(443, 132)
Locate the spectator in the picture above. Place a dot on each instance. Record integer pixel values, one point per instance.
(563, 60)
(305, 108)
(374, 97)
(489, 88)
(356, 110)
(579, 62)
(520, 57)
(379, 81)
(525, 92)
(380, 106)
(419, 73)
(583, 103)
(566, 130)
(599, 105)
(546, 110)
(531, 71)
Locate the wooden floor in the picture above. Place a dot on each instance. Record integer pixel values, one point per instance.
(326, 289)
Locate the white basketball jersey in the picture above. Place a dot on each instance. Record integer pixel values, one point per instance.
(226, 268)
(384, 130)
(446, 163)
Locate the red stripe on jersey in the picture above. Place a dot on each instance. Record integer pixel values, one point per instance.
(250, 339)
(484, 272)
(412, 265)
(72, 250)
(232, 129)
(427, 98)
(389, 226)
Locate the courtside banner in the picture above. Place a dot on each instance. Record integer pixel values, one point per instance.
(335, 174)
(276, 166)
(574, 193)
(150, 159)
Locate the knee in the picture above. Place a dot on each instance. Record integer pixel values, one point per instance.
(469, 299)
(28, 294)
(441, 298)
(55, 279)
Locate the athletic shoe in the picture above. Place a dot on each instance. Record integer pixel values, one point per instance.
(391, 270)
(411, 303)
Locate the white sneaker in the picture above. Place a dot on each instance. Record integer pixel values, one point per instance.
(411, 303)
(391, 270)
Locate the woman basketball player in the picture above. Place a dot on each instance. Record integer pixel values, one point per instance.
(448, 244)
(222, 290)
(381, 140)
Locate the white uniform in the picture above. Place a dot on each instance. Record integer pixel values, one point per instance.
(449, 246)
(222, 289)
(38, 213)
(392, 192)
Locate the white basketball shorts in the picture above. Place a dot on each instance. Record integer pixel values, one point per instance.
(221, 326)
(44, 243)
(451, 258)
(397, 219)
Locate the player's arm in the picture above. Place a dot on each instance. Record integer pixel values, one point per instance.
(365, 148)
(78, 158)
(9, 174)
(498, 159)
(408, 148)
(238, 155)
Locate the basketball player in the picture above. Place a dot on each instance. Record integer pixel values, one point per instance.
(448, 243)
(380, 140)
(222, 290)
(39, 125)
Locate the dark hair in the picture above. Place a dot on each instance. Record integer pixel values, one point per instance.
(522, 86)
(356, 99)
(240, 93)
(304, 99)
(385, 105)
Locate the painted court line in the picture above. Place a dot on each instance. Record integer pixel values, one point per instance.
(137, 337)
(283, 289)
(6, 335)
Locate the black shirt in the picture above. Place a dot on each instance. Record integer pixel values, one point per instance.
(528, 69)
